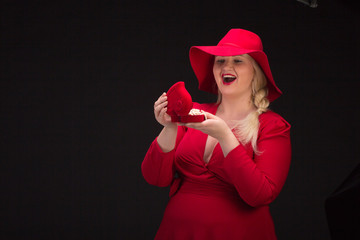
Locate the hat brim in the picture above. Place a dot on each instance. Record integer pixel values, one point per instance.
(202, 61)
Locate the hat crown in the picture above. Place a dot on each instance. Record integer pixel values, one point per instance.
(242, 39)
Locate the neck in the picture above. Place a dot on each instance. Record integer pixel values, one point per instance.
(235, 108)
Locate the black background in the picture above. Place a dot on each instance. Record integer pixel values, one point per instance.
(78, 82)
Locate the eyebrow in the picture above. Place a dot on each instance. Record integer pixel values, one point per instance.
(243, 56)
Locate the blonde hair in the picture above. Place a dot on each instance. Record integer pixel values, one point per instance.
(246, 130)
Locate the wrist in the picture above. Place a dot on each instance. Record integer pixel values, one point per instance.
(228, 142)
(226, 135)
(171, 126)
(167, 138)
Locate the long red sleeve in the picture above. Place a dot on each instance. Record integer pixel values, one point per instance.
(158, 167)
(259, 180)
(227, 197)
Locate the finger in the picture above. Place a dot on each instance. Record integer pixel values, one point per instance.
(197, 126)
(162, 112)
(161, 99)
(160, 106)
(167, 117)
(210, 116)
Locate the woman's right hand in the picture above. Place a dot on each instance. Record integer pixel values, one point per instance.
(160, 108)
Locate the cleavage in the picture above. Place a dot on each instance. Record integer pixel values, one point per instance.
(209, 148)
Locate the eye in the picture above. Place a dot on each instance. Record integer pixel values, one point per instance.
(237, 60)
(220, 60)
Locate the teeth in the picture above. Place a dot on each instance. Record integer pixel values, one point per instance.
(228, 77)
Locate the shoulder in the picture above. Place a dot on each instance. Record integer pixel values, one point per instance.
(272, 117)
(273, 123)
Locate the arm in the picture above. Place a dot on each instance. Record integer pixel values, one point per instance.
(259, 180)
(167, 137)
(158, 164)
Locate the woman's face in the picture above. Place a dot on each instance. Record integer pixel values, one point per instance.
(234, 75)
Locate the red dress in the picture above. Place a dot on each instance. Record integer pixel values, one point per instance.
(228, 197)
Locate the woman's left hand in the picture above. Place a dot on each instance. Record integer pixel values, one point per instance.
(217, 128)
(213, 126)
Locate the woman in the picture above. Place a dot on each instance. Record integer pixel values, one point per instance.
(226, 170)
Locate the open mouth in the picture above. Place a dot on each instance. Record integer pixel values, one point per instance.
(228, 78)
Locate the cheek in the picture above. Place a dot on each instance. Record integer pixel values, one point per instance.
(215, 69)
(248, 73)
(251, 77)
(216, 72)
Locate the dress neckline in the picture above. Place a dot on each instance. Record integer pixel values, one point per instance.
(213, 109)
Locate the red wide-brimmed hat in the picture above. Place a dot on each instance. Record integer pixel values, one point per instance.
(235, 42)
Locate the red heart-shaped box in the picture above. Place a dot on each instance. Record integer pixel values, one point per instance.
(180, 104)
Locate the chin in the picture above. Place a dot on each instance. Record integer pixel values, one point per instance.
(231, 93)
(226, 93)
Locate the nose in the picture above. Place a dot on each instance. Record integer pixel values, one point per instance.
(228, 64)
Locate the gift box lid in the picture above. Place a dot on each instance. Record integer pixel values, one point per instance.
(179, 100)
